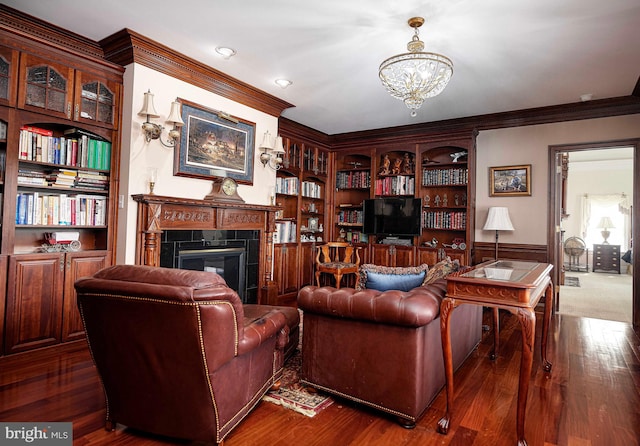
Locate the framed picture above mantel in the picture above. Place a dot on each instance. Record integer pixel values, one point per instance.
(509, 181)
(213, 144)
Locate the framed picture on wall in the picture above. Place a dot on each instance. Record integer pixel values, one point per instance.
(507, 181)
(214, 144)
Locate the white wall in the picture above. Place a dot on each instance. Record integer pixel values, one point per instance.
(530, 145)
(138, 155)
(594, 178)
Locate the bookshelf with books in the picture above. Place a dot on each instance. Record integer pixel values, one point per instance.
(59, 192)
(301, 192)
(447, 201)
(353, 186)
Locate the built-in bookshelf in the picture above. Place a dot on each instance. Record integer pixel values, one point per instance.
(396, 174)
(353, 186)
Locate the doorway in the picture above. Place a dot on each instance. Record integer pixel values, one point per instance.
(560, 210)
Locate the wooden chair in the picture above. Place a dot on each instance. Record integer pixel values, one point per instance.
(337, 258)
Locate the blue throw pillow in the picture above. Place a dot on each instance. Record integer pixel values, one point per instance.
(402, 282)
(383, 278)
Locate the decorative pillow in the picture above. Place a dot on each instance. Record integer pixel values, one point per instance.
(383, 278)
(440, 270)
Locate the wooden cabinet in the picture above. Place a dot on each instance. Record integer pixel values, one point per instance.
(34, 301)
(41, 303)
(77, 265)
(60, 106)
(46, 86)
(62, 91)
(286, 271)
(606, 258)
(392, 255)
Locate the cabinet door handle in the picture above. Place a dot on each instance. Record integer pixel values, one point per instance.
(77, 112)
(61, 262)
(68, 110)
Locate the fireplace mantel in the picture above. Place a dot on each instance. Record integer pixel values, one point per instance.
(159, 213)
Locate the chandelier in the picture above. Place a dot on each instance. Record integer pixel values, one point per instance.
(416, 75)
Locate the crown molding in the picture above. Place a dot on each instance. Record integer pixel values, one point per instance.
(127, 46)
(25, 32)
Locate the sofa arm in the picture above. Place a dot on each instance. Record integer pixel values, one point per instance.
(413, 308)
(257, 331)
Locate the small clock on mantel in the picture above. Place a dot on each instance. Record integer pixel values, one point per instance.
(225, 190)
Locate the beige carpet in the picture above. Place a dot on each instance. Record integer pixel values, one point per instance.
(600, 296)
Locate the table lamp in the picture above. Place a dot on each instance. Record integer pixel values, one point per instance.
(605, 224)
(498, 220)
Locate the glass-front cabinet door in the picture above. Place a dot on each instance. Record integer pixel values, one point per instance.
(48, 86)
(8, 76)
(96, 100)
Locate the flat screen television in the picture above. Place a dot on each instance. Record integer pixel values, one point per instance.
(392, 216)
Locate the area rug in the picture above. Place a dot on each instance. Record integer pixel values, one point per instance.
(572, 281)
(294, 395)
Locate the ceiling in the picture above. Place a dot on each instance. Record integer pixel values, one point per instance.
(507, 55)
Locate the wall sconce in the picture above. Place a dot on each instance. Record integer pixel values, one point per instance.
(274, 159)
(154, 131)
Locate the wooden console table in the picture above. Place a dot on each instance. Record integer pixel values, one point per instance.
(515, 286)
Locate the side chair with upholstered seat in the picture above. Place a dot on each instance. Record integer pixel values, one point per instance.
(338, 259)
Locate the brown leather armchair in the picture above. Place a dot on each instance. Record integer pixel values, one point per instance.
(176, 352)
(382, 348)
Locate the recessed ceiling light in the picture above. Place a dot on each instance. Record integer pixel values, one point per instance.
(225, 52)
(283, 83)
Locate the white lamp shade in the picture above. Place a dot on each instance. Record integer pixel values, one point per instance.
(279, 148)
(498, 220)
(606, 223)
(174, 115)
(147, 107)
(266, 141)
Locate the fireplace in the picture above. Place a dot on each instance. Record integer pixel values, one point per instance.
(168, 226)
(232, 254)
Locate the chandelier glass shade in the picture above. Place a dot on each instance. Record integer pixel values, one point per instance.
(416, 75)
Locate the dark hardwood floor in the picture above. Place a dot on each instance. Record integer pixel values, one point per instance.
(591, 398)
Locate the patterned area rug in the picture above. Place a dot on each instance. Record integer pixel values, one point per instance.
(572, 281)
(294, 395)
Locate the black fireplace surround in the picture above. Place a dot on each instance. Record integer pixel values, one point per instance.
(233, 254)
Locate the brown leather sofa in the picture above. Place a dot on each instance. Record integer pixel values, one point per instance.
(382, 349)
(177, 352)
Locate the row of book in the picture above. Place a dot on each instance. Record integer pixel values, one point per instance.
(287, 186)
(64, 178)
(60, 209)
(351, 216)
(444, 220)
(445, 177)
(397, 185)
(76, 148)
(353, 180)
(311, 189)
(285, 232)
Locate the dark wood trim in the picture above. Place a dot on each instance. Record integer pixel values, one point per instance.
(624, 105)
(36, 33)
(299, 131)
(127, 46)
(483, 251)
